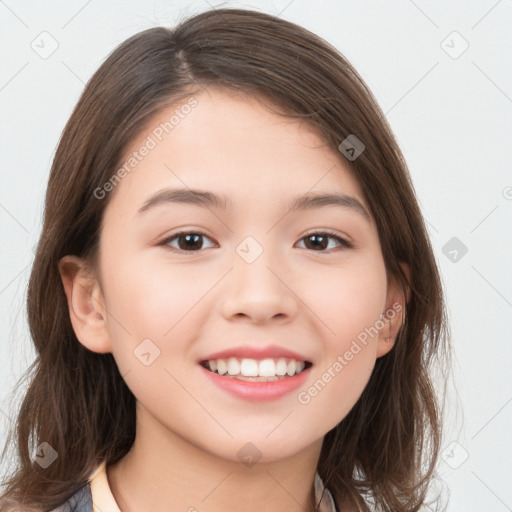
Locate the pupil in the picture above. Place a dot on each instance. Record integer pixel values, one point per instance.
(191, 239)
(317, 237)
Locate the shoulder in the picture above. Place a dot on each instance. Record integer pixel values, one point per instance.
(81, 501)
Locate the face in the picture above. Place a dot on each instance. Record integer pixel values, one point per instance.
(255, 285)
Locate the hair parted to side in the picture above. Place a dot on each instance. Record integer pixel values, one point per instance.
(77, 401)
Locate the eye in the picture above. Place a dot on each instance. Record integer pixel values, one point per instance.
(191, 241)
(320, 240)
(188, 241)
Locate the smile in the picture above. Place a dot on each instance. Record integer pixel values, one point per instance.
(256, 380)
(264, 370)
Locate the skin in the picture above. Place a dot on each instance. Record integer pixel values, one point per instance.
(190, 304)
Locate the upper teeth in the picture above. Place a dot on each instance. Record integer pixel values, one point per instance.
(255, 368)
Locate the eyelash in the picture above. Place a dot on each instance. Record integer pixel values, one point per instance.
(343, 244)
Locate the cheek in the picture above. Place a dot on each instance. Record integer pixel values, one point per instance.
(150, 300)
(337, 387)
(152, 323)
(348, 299)
(157, 309)
(349, 306)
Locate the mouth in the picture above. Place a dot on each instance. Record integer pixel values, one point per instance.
(256, 370)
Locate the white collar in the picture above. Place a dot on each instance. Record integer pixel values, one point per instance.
(327, 503)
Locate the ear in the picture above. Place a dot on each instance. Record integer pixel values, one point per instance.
(394, 314)
(86, 304)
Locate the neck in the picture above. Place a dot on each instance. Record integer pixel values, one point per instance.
(163, 470)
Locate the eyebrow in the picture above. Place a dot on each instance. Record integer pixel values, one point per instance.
(207, 199)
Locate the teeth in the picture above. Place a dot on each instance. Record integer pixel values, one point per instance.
(281, 367)
(233, 366)
(290, 369)
(222, 367)
(253, 368)
(249, 368)
(267, 368)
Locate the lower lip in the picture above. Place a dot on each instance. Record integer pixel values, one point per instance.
(257, 391)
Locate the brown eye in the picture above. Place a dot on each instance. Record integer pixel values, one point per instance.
(193, 241)
(319, 242)
(188, 241)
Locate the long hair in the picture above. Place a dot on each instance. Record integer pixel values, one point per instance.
(77, 402)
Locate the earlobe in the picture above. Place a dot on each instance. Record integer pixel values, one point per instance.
(86, 304)
(393, 318)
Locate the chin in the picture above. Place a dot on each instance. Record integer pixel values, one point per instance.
(251, 446)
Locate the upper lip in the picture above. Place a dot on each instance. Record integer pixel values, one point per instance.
(255, 352)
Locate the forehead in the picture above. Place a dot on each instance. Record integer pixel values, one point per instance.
(230, 144)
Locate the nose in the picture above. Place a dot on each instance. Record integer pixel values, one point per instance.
(259, 291)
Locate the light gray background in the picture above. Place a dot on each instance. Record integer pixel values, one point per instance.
(450, 111)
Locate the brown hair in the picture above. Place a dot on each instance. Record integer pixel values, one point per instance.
(387, 446)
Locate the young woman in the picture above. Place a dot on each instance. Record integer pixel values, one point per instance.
(234, 300)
